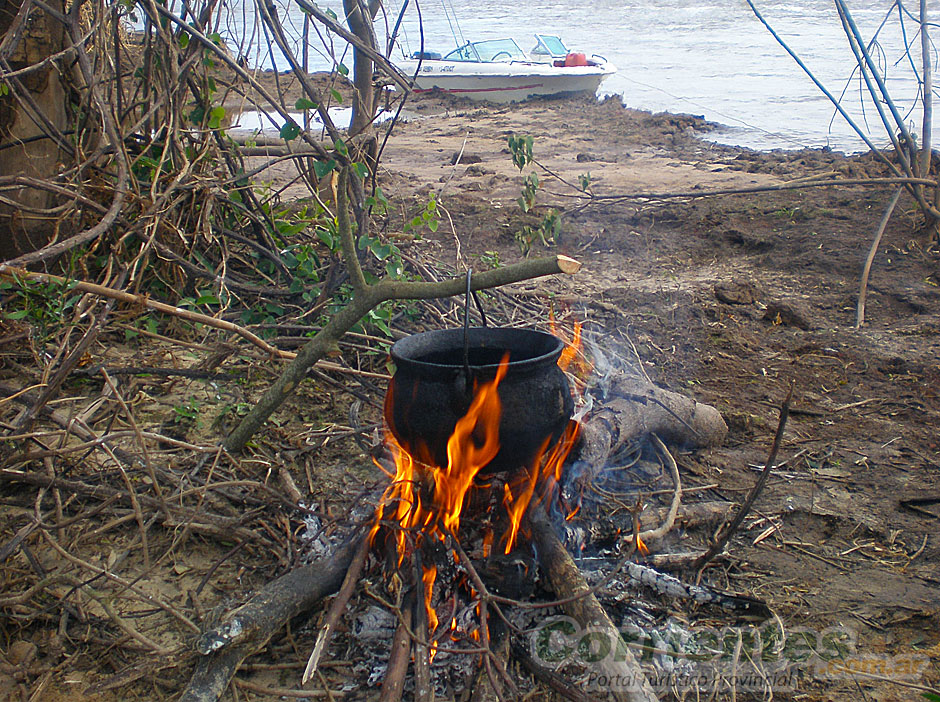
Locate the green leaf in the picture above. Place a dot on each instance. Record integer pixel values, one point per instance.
(381, 251)
(380, 196)
(207, 299)
(341, 68)
(216, 116)
(326, 236)
(184, 40)
(337, 95)
(290, 131)
(197, 115)
(330, 13)
(216, 38)
(19, 314)
(321, 169)
(305, 104)
(432, 225)
(361, 170)
(341, 147)
(288, 229)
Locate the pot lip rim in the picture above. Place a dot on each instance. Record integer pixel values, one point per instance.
(418, 365)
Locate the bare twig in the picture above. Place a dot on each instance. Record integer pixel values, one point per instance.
(739, 516)
(336, 610)
(670, 520)
(866, 268)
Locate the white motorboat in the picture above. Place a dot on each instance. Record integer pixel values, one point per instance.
(498, 70)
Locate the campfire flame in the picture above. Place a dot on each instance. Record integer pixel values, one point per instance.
(426, 501)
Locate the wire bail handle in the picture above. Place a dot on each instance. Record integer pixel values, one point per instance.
(466, 324)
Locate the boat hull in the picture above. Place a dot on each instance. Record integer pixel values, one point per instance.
(504, 82)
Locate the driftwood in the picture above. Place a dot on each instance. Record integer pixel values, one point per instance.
(628, 682)
(248, 628)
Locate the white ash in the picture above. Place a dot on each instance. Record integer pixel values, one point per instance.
(317, 541)
(373, 630)
(375, 624)
(314, 542)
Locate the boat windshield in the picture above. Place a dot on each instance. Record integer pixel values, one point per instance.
(551, 45)
(497, 50)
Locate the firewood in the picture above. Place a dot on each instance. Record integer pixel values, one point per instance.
(394, 683)
(633, 409)
(248, 628)
(580, 603)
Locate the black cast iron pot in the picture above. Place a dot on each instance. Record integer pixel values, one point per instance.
(433, 387)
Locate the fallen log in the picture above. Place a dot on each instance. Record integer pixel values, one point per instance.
(579, 602)
(247, 629)
(632, 409)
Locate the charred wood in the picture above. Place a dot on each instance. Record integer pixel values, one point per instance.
(669, 586)
(248, 628)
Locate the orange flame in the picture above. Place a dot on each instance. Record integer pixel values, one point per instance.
(426, 501)
(465, 458)
(545, 473)
(572, 357)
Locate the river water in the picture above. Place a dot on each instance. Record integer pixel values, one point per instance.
(706, 57)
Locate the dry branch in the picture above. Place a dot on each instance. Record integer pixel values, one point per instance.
(144, 301)
(248, 628)
(738, 518)
(336, 610)
(866, 268)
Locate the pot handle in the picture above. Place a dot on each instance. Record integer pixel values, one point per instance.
(466, 325)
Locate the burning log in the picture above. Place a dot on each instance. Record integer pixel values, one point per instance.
(579, 602)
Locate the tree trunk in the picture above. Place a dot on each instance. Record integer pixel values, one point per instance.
(26, 148)
(363, 68)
